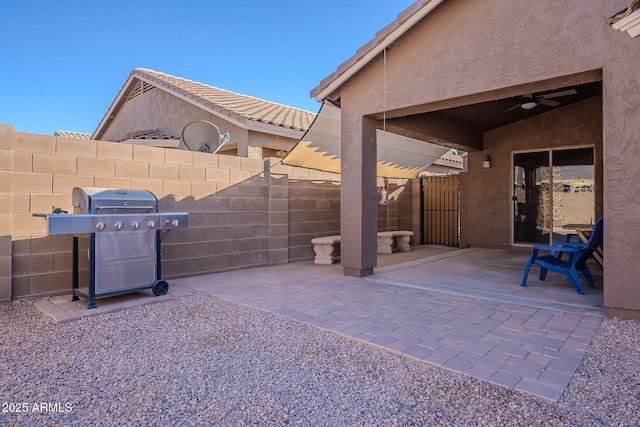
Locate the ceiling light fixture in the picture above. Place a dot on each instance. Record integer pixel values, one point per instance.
(528, 104)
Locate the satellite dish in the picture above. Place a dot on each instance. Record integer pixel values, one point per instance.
(204, 136)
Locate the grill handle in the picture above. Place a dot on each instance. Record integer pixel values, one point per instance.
(147, 208)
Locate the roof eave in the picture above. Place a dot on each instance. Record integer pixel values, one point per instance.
(113, 108)
(224, 113)
(334, 81)
(257, 126)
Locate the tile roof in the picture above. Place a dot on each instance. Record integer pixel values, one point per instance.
(69, 134)
(238, 106)
(150, 134)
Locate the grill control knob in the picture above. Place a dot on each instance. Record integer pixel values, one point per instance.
(151, 224)
(175, 223)
(100, 226)
(118, 225)
(135, 225)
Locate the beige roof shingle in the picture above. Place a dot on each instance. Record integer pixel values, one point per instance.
(70, 134)
(238, 106)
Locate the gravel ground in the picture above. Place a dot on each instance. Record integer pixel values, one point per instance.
(201, 360)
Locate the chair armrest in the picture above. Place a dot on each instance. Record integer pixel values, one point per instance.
(568, 244)
(557, 248)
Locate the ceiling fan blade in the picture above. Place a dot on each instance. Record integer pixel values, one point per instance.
(557, 94)
(512, 108)
(549, 103)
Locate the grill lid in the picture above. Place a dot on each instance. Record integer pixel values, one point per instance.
(89, 200)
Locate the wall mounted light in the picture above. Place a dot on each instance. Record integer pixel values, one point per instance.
(486, 164)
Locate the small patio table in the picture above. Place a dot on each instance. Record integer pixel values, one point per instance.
(583, 231)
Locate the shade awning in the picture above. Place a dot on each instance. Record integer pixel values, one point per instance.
(397, 156)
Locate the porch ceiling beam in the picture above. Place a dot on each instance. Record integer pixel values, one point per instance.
(497, 94)
(437, 130)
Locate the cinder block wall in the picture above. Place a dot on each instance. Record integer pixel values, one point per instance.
(314, 210)
(400, 212)
(243, 212)
(239, 208)
(6, 210)
(5, 269)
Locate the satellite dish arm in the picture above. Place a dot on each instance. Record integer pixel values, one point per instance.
(202, 135)
(224, 138)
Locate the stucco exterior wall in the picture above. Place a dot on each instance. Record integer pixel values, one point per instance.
(490, 212)
(621, 135)
(242, 212)
(454, 58)
(270, 142)
(158, 109)
(465, 52)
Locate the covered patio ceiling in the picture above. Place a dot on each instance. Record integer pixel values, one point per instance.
(486, 116)
(462, 125)
(415, 134)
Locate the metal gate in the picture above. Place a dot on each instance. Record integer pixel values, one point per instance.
(440, 210)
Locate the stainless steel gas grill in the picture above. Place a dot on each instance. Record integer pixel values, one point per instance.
(124, 228)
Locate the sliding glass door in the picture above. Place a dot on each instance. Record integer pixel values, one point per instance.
(552, 194)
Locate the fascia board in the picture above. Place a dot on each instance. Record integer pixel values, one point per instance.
(448, 163)
(256, 126)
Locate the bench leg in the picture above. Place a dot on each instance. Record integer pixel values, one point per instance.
(385, 245)
(324, 254)
(403, 243)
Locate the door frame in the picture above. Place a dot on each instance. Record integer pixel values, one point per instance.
(550, 151)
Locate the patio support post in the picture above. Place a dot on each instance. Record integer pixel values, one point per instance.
(358, 206)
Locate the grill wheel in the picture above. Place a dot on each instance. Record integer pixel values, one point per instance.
(160, 287)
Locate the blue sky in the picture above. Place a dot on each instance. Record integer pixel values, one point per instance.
(63, 62)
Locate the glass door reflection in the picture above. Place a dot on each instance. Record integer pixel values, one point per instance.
(531, 197)
(553, 194)
(573, 191)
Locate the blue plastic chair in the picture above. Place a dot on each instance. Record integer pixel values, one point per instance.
(597, 231)
(578, 256)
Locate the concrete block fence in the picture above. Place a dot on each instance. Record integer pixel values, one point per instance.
(243, 212)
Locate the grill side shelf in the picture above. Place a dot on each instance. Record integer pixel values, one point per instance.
(69, 224)
(86, 223)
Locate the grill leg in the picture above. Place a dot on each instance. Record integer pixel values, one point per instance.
(158, 256)
(74, 271)
(92, 271)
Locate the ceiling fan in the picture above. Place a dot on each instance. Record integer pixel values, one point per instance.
(531, 100)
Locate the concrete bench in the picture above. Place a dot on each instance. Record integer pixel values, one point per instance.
(327, 248)
(391, 241)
